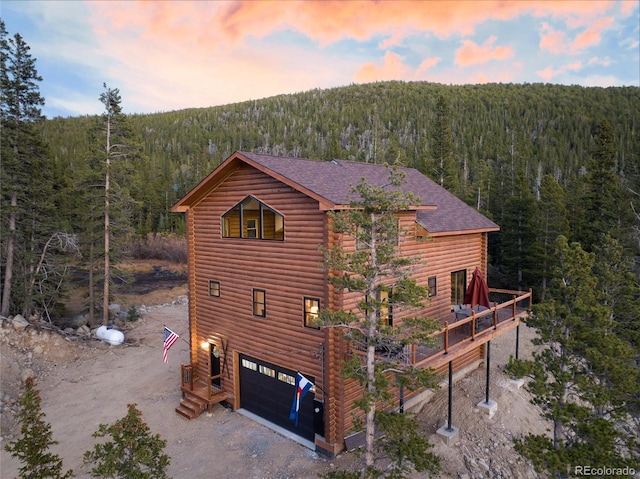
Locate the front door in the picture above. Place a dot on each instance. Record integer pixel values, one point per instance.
(214, 361)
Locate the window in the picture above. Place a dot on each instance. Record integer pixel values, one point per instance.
(386, 309)
(433, 289)
(311, 308)
(267, 371)
(249, 365)
(458, 286)
(214, 288)
(252, 228)
(286, 378)
(259, 303)
(252, 219)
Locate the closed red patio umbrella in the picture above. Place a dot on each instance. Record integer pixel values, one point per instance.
(477, 291)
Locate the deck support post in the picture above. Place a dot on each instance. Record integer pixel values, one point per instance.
(450, 411)
(448, 432)
(519, 381)
(488, 371)
(490, 407)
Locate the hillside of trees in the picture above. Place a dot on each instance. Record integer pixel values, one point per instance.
(499, 143)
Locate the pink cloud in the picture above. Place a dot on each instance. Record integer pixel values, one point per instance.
(425, 65)
(551, 40)
(470, 53)
(326, 21)
(592, 35)
(628, 6)
(556, 42)
(605, 62)
(391, 68)
(549, 73)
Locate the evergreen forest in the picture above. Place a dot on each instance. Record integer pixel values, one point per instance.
(512, 151)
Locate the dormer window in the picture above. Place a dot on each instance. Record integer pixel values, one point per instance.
(254, 220)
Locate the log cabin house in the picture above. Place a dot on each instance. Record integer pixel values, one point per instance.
(254, 227)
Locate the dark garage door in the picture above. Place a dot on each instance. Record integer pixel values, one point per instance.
(268, 390)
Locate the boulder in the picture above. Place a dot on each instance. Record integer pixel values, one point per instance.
(77, 321)
(83, 330)
(19, 323)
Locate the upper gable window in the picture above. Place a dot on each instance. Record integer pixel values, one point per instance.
(252, 219)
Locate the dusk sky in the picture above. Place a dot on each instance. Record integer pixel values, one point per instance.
(166, 55)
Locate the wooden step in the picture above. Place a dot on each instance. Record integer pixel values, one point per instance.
(192, 405)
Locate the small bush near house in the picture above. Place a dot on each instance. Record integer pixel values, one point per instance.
(132, 452)
(32, 448)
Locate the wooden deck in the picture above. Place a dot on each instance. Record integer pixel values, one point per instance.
(459, 336)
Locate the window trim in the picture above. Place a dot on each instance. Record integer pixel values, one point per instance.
(463, 274)
(256, 303)
(213, 291)
(433, 288)
(307, 313)
(258, 223)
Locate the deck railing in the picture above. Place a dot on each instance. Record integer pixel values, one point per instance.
(191, 380)
(508, 306)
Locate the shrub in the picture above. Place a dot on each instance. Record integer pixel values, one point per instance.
(133, 453)
(133, 314)
(166, 247)
(32, 448)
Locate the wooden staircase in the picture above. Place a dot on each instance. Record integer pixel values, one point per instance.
(197, 394)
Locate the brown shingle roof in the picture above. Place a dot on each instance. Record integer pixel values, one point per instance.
(333, 180)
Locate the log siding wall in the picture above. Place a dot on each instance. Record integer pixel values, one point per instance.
(287, 270)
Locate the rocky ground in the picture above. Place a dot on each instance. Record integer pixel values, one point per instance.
(85, 382)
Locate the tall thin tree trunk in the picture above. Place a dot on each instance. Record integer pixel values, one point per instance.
(105, 299)
(8, 270)
(92, 293)
(371, 406)
(372, 321)
(107, 273)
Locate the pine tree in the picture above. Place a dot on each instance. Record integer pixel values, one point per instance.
(517, 241)
(602, 195)
(443, 169)
(28, 219)
(382, 278)
(107, 215)
(32, 449)
(582, 360)
(131, 453)
(552, 220)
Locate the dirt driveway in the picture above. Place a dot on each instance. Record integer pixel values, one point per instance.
(85, 383)
(94, 382)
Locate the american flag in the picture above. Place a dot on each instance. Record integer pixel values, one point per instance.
(169, 338)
